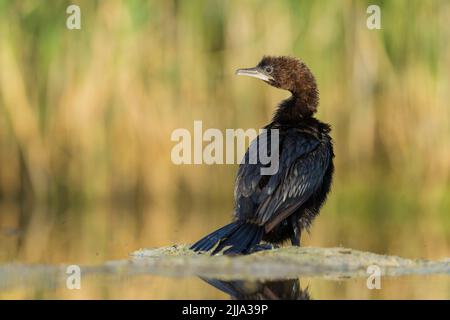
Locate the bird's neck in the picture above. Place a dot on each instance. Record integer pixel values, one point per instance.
(301, 105)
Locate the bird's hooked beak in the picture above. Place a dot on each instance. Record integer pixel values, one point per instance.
(255, 73)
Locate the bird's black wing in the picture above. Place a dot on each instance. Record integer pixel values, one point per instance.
(303, 161)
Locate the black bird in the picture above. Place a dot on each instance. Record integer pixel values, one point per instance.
(275, 208)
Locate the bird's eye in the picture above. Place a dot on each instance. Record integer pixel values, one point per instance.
(268, 69)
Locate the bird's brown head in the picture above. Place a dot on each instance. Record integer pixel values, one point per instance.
(290, 74)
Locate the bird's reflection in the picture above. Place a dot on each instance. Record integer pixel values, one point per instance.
(287, 289)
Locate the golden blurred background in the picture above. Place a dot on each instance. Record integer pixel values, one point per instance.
(86, 118)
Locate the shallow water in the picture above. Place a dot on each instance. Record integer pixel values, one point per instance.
(34, 256)
(157, 287)
(288, 273)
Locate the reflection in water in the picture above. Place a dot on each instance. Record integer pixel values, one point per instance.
(287, 289)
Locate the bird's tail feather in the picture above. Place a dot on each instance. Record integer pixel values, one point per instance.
(239, 236)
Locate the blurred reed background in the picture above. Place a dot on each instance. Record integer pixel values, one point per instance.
(86, 117)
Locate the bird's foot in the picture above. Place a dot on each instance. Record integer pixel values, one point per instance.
(262, 247)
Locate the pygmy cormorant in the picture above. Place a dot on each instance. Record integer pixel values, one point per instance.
(275, 208)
